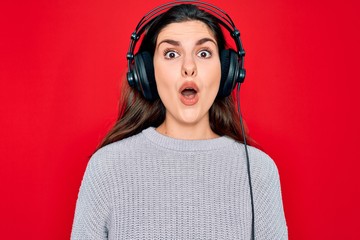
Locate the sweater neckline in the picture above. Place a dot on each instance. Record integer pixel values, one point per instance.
(186, 145)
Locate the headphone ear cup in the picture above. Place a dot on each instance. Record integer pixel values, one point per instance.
(144, 75)
(229, 72)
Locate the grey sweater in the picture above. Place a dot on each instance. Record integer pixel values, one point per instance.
(150, 186)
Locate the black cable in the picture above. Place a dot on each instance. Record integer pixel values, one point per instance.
(247, 164)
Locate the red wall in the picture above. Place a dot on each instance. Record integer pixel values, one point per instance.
(60, 67)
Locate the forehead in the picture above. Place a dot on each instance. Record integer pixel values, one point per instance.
(185, 30)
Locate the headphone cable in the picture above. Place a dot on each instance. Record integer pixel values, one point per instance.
(247, 163)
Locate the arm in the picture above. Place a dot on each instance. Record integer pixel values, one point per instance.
(270, 220)
(93, 203)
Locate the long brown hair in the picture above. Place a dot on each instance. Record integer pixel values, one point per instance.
(136, 113)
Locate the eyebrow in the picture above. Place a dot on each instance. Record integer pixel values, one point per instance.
(177, 43)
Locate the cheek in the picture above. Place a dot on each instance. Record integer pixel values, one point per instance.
(213, 74)
(164, 74)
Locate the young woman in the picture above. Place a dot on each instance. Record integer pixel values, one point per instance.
(174, 165)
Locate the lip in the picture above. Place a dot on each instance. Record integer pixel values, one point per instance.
(189, 101)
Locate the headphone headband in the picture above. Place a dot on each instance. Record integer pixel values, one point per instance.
(229, 24)
(223, 18)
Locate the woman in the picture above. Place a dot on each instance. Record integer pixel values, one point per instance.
(174, 165)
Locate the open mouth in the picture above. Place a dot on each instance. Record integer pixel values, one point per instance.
(189, 92)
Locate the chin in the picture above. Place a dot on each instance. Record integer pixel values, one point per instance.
(191, 118)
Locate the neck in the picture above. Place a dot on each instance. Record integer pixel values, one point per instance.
(186, 131)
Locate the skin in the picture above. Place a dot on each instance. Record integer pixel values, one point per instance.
(186, 53)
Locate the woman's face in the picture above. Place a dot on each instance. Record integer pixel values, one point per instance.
(187, 71)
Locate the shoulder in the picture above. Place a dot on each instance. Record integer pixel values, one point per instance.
(262, 166)
(261, 161)
(126, 145)
(102, 168)
(113, 155)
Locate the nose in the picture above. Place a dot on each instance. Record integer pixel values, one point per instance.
(189, 67)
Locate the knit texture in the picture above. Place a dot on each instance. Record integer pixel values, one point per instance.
(150, 186)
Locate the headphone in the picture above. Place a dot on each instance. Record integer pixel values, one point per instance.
(141, 75)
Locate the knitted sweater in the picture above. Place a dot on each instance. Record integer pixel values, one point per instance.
(150, 186)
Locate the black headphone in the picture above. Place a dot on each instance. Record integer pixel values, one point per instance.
(140, 73)
(141, 76)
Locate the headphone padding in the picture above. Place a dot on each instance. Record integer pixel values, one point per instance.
(144, 69)
(229, 66)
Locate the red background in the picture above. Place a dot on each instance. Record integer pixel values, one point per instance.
(60, 67)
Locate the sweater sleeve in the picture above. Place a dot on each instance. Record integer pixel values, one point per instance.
(270, 220)
(93, 203)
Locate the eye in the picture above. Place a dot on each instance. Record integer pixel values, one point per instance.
(204, 53)
(169, 54)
